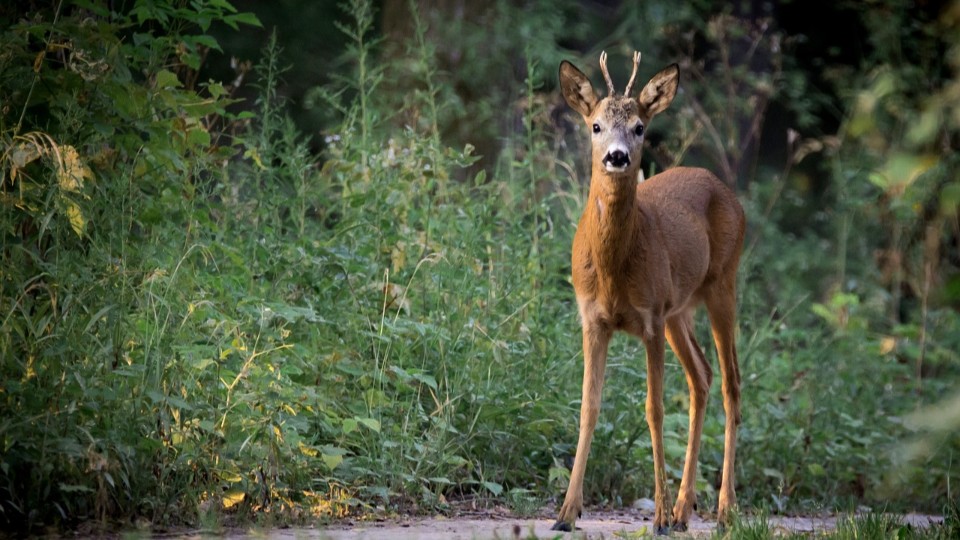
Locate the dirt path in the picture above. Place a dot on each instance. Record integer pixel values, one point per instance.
(607, 525)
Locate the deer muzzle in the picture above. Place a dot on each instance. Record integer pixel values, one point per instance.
(616, 160)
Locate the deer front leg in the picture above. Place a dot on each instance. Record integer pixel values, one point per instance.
(654, 345)
(595, 341)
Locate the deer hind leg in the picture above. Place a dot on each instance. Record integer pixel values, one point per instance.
(699, 378)
(596, 338)
(722, 307)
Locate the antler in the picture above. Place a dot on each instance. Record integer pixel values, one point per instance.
(636, 63)
(606, 74)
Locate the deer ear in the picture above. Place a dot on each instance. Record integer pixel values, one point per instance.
(576, 89)
(657, 95)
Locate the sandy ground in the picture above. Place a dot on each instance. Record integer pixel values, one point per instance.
(608, 525)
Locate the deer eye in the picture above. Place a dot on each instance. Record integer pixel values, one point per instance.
(638, 130)
(596, 128)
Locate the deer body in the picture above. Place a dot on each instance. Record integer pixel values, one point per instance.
(662, 220)
(644, 257)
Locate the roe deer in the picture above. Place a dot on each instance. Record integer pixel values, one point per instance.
(644, 256)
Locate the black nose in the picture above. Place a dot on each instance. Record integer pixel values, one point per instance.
(617, 158)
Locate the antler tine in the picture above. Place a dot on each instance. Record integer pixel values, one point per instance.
(606, 74)
(636, 63)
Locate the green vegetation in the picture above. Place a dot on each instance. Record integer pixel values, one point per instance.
(869, 525)
(203, 318)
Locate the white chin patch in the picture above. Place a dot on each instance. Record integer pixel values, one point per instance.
(612, 169)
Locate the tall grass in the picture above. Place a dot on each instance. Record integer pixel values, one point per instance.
(848, 527)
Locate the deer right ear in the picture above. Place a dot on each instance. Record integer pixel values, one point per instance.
(660, 91)
(576, 89)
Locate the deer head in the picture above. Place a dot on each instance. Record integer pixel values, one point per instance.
(618, 122)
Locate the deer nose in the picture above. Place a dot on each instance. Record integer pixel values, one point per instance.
(618, 159)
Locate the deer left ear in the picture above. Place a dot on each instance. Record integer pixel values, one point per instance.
(576, 89)
(657, 95)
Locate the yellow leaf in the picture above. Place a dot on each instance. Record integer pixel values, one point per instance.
(887, 345)
(30, 372)
(77, 222)
(253, 154)
(232, 498)
(72, 170)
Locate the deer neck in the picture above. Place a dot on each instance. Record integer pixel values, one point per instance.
(613, 216)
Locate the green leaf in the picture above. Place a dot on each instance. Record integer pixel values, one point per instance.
(370, 423)
(207, 41)
(824, 313)
(201, 364)
(926, 126)
(456, 461)
(191, 59)
(179, 403)
(216, 89)
(773, 473)
(559, 473)
(242, 18)
(223, 5)
(494, 488)
(293, 313)
(198, 137)
(73, 488)
(400, 373)
(428, 380)
(167, 79)
(950, 199)
(97, 316)
(331, 460)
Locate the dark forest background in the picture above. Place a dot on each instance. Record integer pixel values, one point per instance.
(288, 261)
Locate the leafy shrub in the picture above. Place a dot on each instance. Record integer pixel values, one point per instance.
(108, 143)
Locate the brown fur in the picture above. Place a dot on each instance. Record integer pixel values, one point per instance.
(644, 257)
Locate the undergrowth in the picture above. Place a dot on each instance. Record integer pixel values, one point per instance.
(202, 322)
(848, 527)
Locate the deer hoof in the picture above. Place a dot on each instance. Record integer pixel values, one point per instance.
(663, 530)
(561, 526)
(680, 527)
